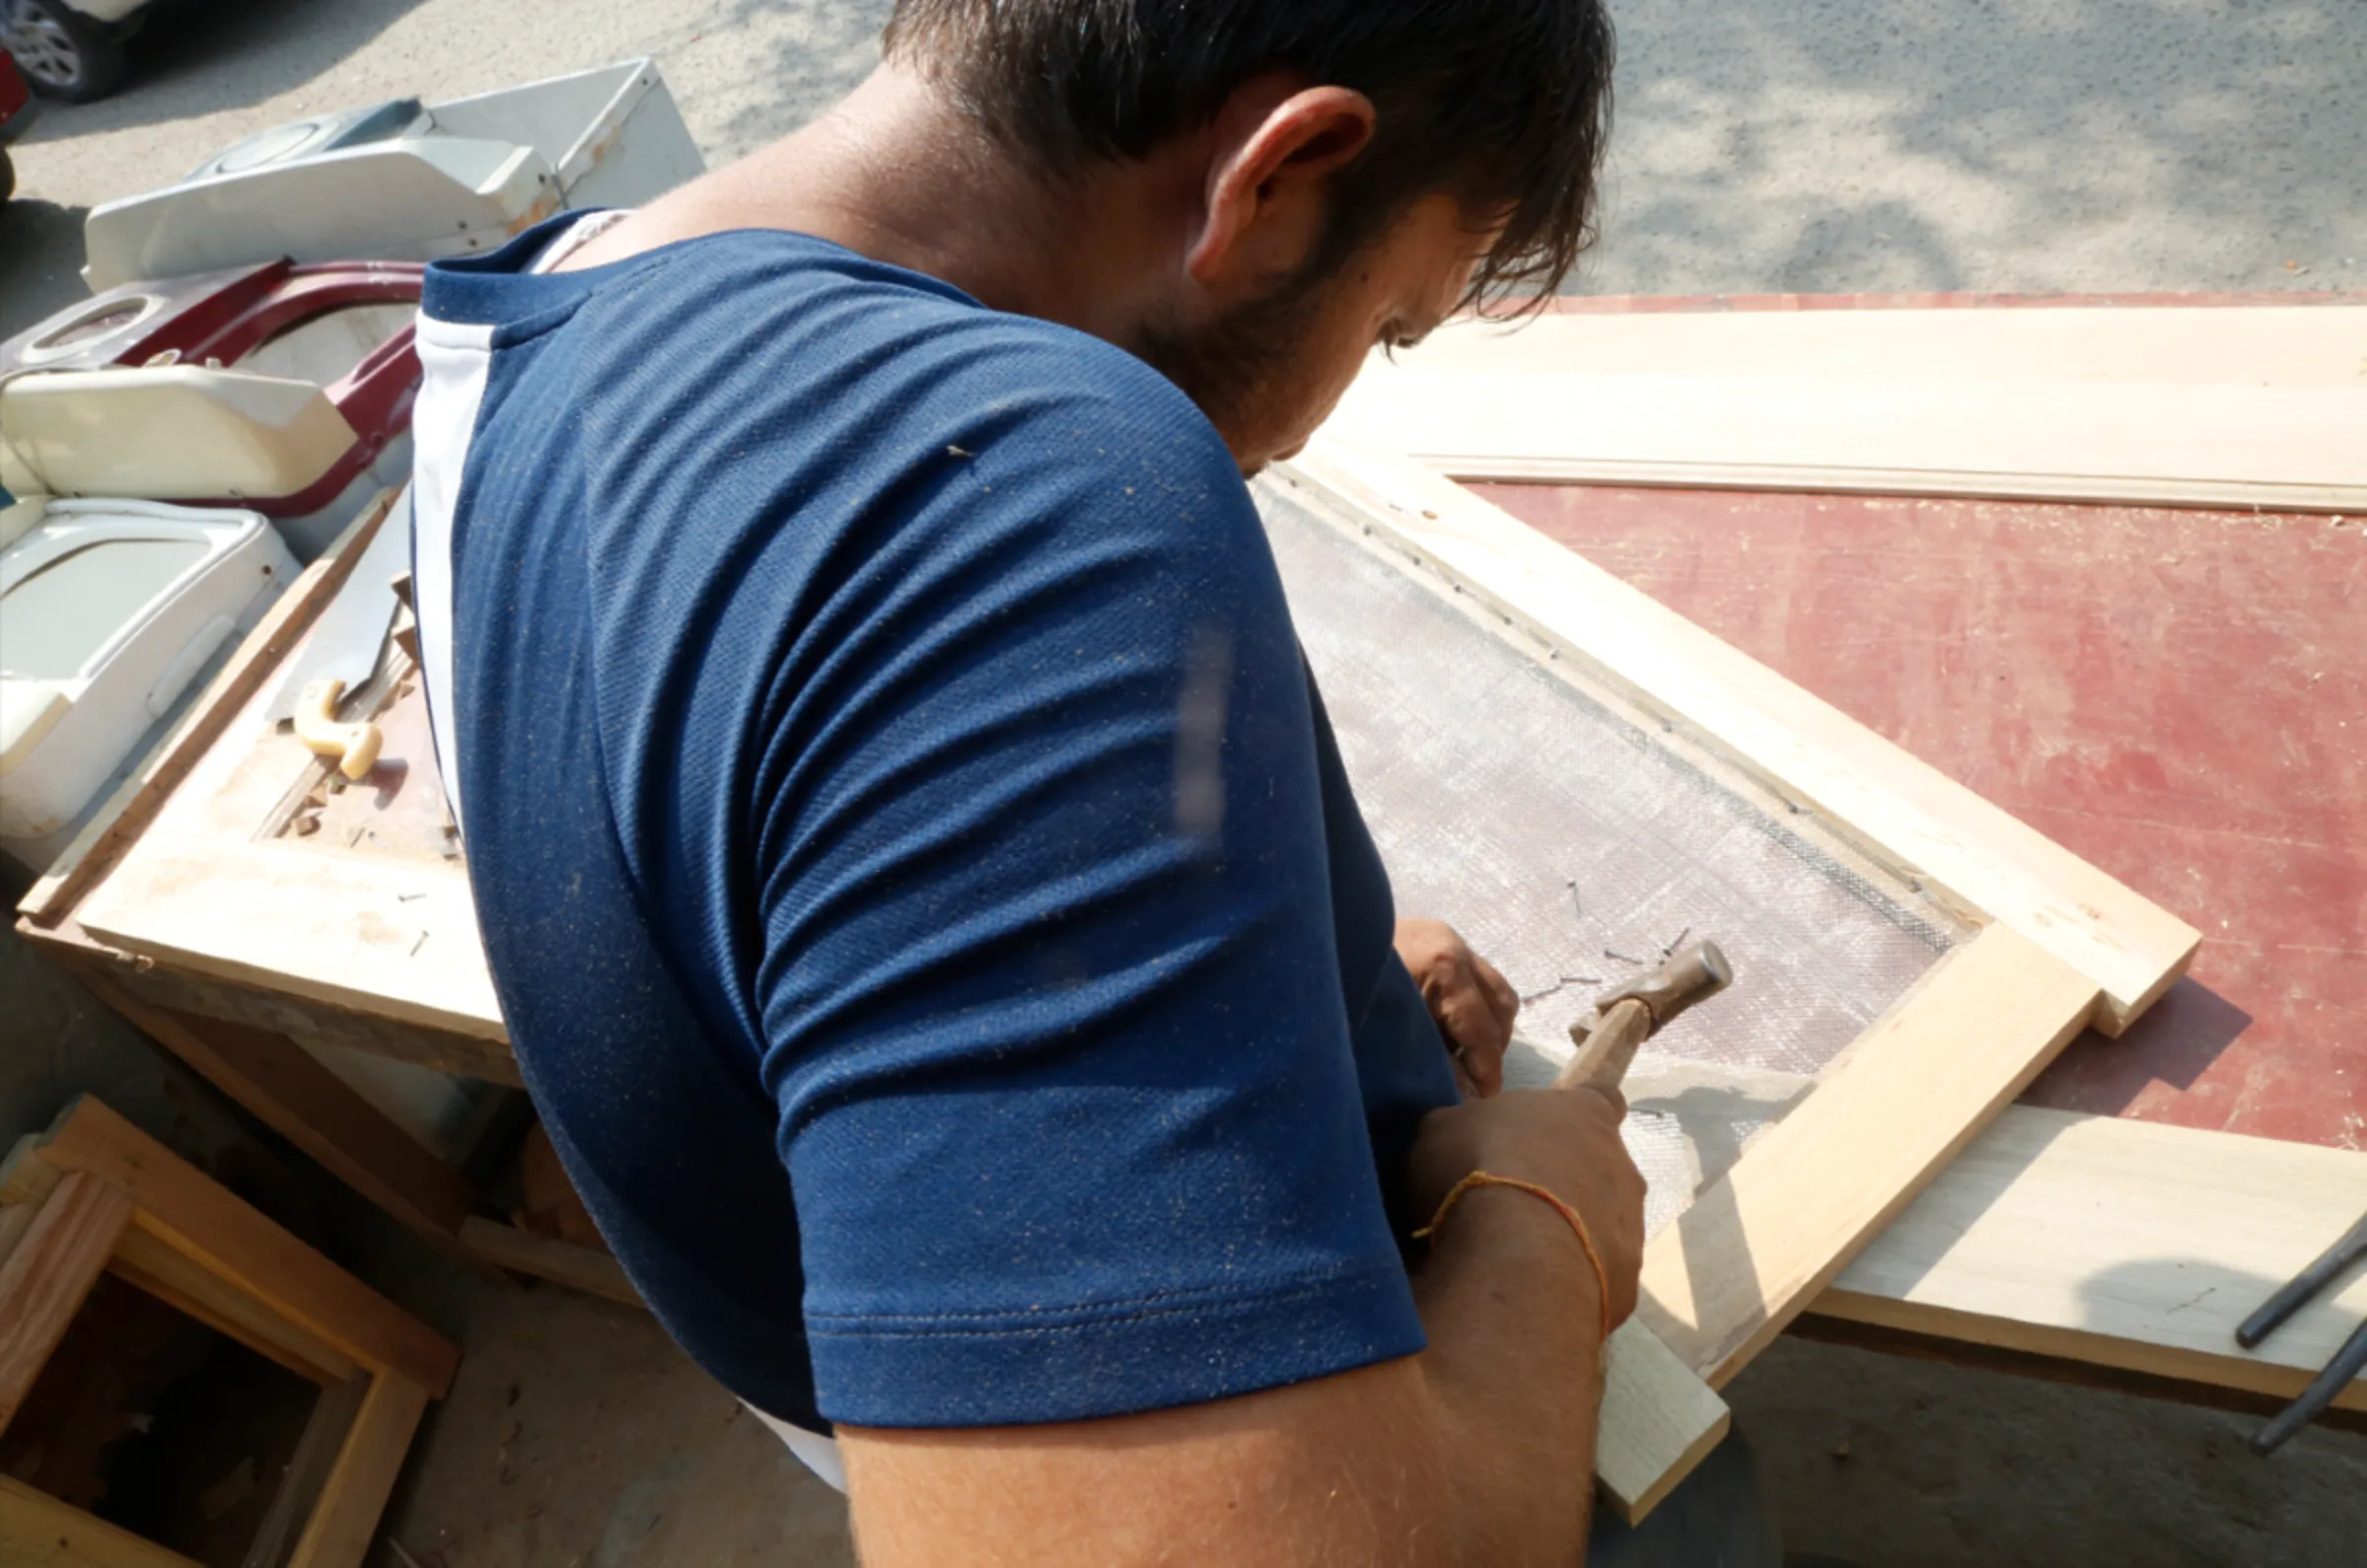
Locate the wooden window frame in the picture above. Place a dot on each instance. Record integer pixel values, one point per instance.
(96, 1195)
(2058, 947)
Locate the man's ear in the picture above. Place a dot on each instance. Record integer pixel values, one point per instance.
(1265, 195)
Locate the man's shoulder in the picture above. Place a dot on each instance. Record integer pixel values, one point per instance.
(755, 380)
(804, 324)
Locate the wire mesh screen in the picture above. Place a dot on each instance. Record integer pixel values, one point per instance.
(1574, 844)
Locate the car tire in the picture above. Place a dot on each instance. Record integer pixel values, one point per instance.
(61, 53)
(8, 177)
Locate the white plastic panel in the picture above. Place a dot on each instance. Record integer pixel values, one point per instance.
(180, 430)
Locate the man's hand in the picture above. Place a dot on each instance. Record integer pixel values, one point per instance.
(1564, 1140)
(1473, 1004)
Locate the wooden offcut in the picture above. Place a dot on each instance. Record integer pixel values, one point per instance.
(568, 1264)
(313, 1108)
(2123, 1245)
(1664, 1420)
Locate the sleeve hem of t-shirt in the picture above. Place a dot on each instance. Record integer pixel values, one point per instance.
(1017, 1369)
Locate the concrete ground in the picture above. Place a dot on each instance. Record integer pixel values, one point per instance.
(1762, 145)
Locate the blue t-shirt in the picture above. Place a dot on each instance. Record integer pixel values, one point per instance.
(920, 883)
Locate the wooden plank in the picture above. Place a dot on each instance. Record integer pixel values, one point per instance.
(308, 1021)
(2269, 345)
(393, 938)
(189, 1287)
(341, 1525)
(294, 1095)
(1951, 842)
(37, 1530)
(174, 1203)
(564, 1263)
(15, 1220)
(2120, 1244)
(2243, 409)
(24, 1177)
(1659, 1420)
(306, 1480)
(119, 822)
(1765, 1239)
(45, 1278)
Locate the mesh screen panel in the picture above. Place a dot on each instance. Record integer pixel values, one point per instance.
(1573, 843)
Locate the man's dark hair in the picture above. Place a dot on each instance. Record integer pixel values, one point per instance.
(1504, 104)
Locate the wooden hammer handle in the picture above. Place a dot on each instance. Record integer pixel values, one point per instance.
(1609, 1050)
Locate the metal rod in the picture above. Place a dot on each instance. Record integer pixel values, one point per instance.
(2348, 1363)
(2306, 1284)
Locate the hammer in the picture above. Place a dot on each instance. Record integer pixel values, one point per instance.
(1623, 1019)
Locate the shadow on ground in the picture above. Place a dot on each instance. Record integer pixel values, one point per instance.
(40, 249)
(797, 62)
(191, 60)
(1830, 145)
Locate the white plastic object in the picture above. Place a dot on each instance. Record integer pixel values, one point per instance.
(180, 430)
(108, 611)
(461, 177)
(355, 747)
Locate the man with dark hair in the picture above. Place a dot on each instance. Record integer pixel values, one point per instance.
(921, 882)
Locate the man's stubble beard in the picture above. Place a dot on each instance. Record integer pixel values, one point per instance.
(1237, 367)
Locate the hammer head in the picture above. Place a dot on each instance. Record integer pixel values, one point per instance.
(1687, 976)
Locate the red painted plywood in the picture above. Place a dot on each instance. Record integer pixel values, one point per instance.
(2178, 696)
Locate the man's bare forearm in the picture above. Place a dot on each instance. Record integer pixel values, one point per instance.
(1480, 1450)
(1515, 1365)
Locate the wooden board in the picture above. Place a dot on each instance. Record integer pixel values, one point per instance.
(350, 930)
(547, 1258)
(1661, 1419)
(217, 888)
(2237, 407)
(1945, 839)
(2120, 1244)
(37, 1530)
(307, 1021)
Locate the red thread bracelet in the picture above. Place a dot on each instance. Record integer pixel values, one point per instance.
(1586, 1239)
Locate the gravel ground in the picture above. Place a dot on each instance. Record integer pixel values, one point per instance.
(1764, 145)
